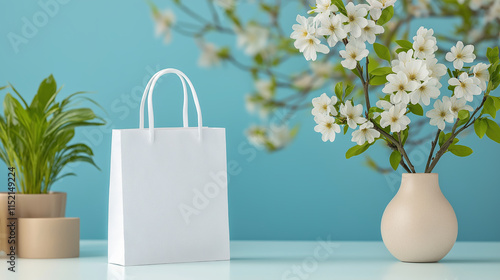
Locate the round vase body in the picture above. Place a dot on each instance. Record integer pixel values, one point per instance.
(419, 224)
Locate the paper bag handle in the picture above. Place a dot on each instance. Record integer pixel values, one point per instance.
(148, 92)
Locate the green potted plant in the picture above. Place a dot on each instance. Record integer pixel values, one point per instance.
(36, 146)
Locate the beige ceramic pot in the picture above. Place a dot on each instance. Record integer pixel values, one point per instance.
(419, 224)
(48, 238)
(51, 205)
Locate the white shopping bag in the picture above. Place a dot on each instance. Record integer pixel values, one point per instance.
(168, 190)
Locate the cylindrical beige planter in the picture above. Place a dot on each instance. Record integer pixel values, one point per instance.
(48, 238)
(419, 224)
(48, 205)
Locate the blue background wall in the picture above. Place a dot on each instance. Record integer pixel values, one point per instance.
(303, 192)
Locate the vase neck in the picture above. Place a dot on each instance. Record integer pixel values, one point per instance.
(420, 182)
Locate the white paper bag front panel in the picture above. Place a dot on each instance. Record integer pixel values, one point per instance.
(174, 195)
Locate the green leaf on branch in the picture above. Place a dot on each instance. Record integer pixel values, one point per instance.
(346, 128)
(387, 14)
(357, 150)
(382, 71)
(416, 109)
(341, 6)
(339, 90)
(444, 137)
(463, 114)
(405, 44)
(355, 72)
(492, 55)
(480, 127)
(348, 90)
(489, 107)
(378, 80)
(463, 117)
(395, 159)
(460, 150)
(382, 51)
(493, 130)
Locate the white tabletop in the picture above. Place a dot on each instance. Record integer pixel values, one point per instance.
(280, 260)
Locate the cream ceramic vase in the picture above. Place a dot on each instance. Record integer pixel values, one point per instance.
(419, 224)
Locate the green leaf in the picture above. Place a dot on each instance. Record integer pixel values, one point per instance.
(496, 101)
(416, 109)
(382, 71)
(340, 5)
(339, 90)
(492, 55)
(460, 150)
(489, 107)
(463, 114)
(395, 159)
(493, 130)
(480, 127)
(405, 44)
(346, 128)
(348, 90)
(387, 14)
(444, 137)
(382, 51)
(357, 150)
(46, 94)
(378, 80)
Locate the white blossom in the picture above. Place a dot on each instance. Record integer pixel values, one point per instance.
(354, 52)
(457, 104)
(164, 22)
(400, 85)
(322, 69)
(415, 70)
(324, 105)
(355, 19)
(482, 74)
(309, 46)
(306, 81)
(424, 43)
(265, 88)
(423, 48)
(460, 54)
(253, 38)
(327, 127)
(365, 133)
(465, 86)
(324, 8)
(279, 135)
(375, 9)
(440, 114)
(403, 58)
(425, 91)
(382, 104)
(369, 32)
(493, 11)
(333, 28)
(395, 118)
(209, 54)
(257, 136)
(352, 114)
(302, 29)
(437, 70)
